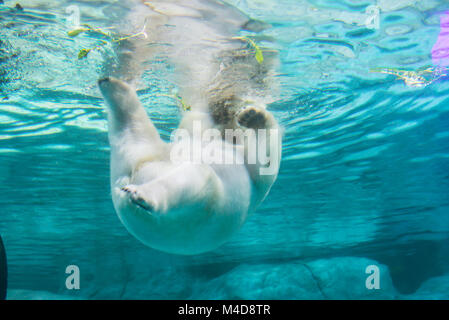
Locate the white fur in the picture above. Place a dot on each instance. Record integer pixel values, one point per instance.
(186, 207)
(182, 208)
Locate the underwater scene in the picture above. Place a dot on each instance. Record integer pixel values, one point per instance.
(356, 206)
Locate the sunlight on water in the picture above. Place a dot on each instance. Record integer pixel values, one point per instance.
(365, 154)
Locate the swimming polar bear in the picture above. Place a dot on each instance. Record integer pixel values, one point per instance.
(168, 197)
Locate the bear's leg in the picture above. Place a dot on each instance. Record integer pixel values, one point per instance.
(125, 110)
(263, 154)
(132, 136)
(179, 186)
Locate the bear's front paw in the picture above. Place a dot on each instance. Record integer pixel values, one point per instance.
(252, 117)
(137, 198)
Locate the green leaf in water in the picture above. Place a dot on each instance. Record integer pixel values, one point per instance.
(87, 28)
(184, 105)
(258, 51)
(83, 53)
(77, 31)
(259, 55)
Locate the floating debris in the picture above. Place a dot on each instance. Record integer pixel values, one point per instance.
(184, 105)
(140, 33)
(77, 31)
(258, 51)
(84, 52)
(110, 36)
(87, 28)
(417, 79)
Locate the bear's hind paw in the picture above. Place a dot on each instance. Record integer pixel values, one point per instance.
(252, 117)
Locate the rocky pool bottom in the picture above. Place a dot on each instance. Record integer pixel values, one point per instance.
(334, 278)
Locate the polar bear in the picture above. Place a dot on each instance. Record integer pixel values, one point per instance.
(189, 204)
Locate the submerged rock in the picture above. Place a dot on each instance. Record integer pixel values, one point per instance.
(345, 278)
(335, 278)
(433, 289)
(159, 284)
(264, 281)
(23, 294)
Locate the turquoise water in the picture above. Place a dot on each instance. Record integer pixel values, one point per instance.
(364, 176)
